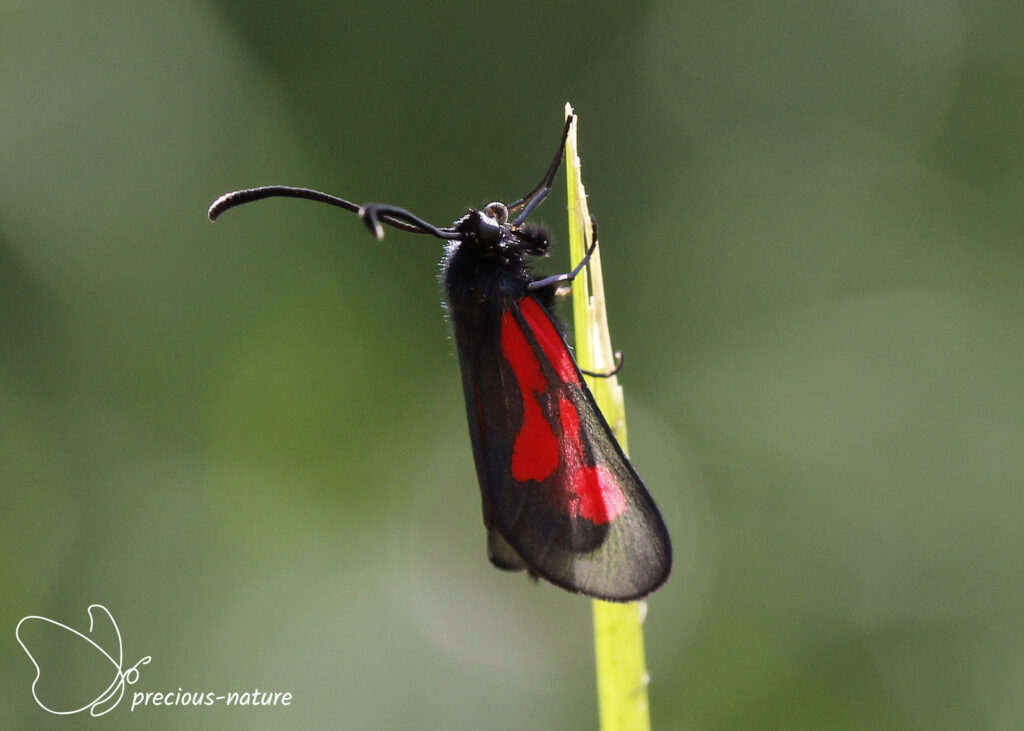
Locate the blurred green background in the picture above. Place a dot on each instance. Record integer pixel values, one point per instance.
(247, 439)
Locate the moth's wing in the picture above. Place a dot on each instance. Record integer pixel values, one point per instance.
(501, 554)
(559, 495)
(479, 360)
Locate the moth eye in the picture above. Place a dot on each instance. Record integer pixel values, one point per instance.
(497, 211)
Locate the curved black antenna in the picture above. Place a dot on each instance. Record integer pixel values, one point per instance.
(373, 214)
(238, 197)
(536, 196)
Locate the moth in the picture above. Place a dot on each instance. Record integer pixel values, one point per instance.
(560, 499)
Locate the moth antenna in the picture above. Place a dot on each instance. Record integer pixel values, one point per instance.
(373, 214)
(238, 197)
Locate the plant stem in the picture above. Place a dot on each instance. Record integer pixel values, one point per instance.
(618, 628)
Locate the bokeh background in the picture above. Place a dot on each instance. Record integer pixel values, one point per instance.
(247, 439)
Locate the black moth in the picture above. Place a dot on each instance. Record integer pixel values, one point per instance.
(560, 499)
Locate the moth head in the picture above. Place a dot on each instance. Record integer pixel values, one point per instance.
(487, 226)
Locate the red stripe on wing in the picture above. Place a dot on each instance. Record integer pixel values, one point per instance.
(592, 490)
(549, 340)
(600, 499)
(535, 453)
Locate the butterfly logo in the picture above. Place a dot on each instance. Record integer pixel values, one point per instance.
(79, 644)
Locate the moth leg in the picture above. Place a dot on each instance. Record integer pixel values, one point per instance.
(618, 367)
(568, 276)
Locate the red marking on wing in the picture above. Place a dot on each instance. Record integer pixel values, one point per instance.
(549, 340)
(593, 492)
(535, 453)
(601, 500)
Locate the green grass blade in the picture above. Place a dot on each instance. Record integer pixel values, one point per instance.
(618, 628)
